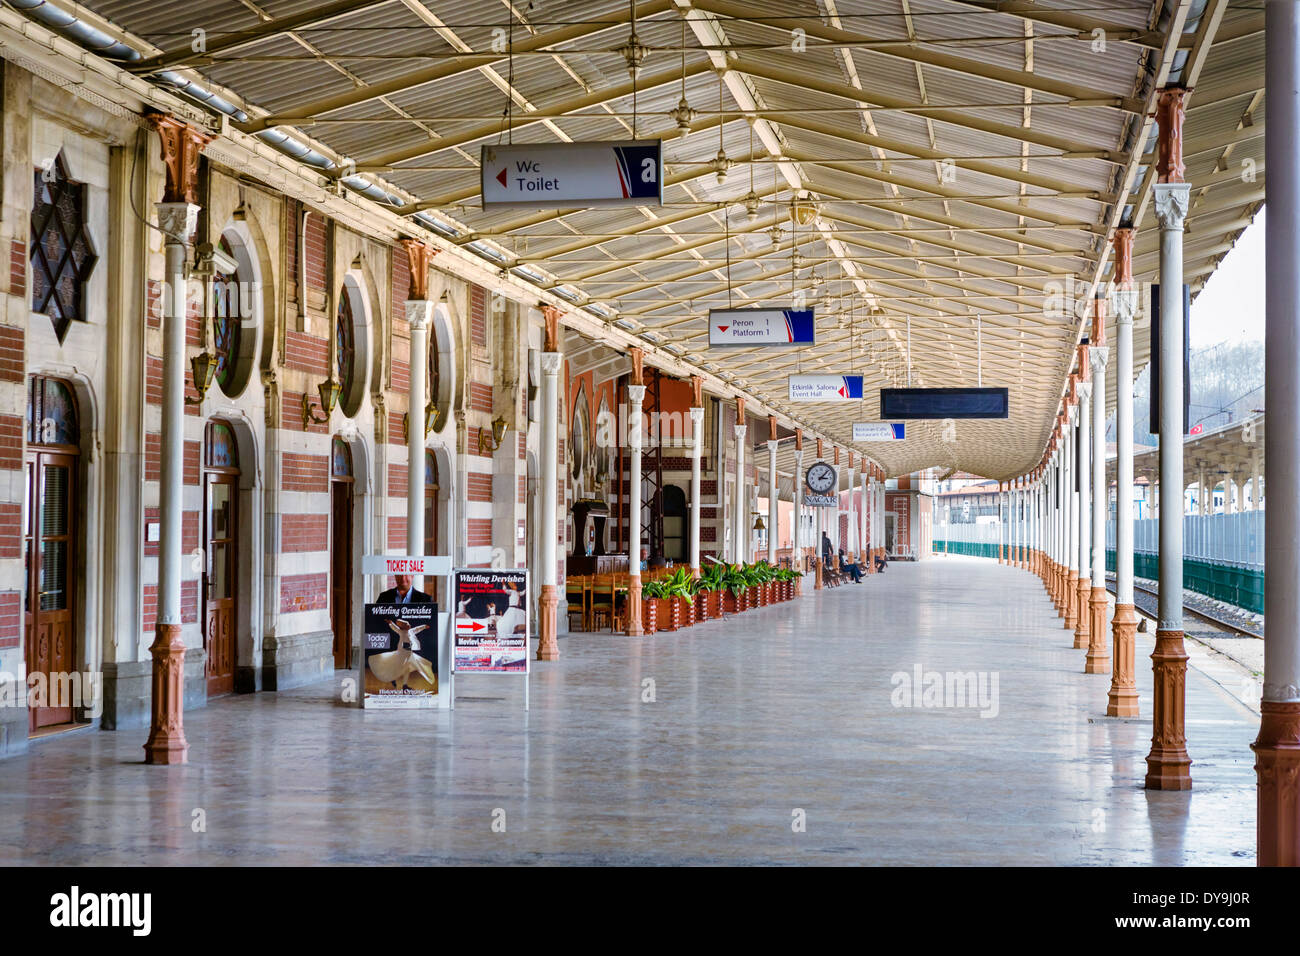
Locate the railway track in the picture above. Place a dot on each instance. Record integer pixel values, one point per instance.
(1146, 599)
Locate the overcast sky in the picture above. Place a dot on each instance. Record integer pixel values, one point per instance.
(1231, 307)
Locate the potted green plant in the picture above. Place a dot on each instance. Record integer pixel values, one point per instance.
(652, 606)
(735, 589)
(753, 582)
(679, 590)
(711, 586)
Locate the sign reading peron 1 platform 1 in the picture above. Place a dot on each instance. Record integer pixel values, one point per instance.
(761, 327)
(825, 388)
(573, 175)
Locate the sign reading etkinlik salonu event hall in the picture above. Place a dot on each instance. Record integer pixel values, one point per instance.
(825, 388)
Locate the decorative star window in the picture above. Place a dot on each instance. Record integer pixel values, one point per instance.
(62, 254)
(226, 317)
(345, 344)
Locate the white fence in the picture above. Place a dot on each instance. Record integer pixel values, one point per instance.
(1236, 539)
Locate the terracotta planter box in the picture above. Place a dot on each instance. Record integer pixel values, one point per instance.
(701, 605)
(650, 614)
(733, 603)
(752, 595)
(684, 608)
(713, 602)
(669, 614)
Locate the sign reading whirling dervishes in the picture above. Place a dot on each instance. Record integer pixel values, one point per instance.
(761, 327)
(572, 175)
(825, 388)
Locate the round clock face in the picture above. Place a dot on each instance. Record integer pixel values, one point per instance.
(821, 478)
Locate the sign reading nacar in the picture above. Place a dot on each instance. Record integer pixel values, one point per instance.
(761, 327)
(825, 388)
(878, 431)
(572, 175)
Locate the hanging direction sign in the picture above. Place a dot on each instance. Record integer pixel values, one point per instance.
(568, 175)
(877, 431)
(761, 327)
(825, 388)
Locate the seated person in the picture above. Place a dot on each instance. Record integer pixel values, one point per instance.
(852, 570)
(880, 562)
(403, 593)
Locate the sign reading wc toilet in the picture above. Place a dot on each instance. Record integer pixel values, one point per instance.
(572, 175)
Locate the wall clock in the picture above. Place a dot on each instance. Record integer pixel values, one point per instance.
(821, 478)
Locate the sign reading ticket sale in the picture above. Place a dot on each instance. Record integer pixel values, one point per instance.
(490, 631)
(548, 175)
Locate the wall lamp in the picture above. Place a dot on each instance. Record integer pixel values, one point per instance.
(432, 422)
(498, 433)
(203, 366)
(329, 398)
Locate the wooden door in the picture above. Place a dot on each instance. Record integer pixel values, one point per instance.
(51, 551)
(221, 549)
(341, 570)
(432, 585)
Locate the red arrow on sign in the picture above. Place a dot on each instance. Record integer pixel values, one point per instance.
(501, 177)
(476, 626)
(723, 328)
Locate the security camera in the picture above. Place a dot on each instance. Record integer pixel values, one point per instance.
(211, 259)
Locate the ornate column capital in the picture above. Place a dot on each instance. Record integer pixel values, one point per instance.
(636, 394)
(419, 314)
(772, 445)
(697, 413)
(181, 145)
(1171, 200)
(1097, 358)
(418, 257)
(1085, 391)
(739, 431)
(551, 318)
(552, 362)
(178, 220)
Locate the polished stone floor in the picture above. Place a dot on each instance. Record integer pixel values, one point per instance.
(778, 715)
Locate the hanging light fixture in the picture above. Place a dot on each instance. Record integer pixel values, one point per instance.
(720, 162)
(751, 198)
(683, 115)
(203, 366)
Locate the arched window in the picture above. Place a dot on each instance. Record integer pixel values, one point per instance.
(578, 443)
(345, 344)
(61, 252)
(226, 317)
(220, 449)
(340, 459)
(51, 413)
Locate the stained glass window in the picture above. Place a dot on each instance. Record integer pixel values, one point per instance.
(430, 470)
(340, 459)
(220, 449)
(51, 413)
(61, 252)
(226, 317)
(345, 342)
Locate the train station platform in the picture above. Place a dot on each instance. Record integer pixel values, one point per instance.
(791, 713)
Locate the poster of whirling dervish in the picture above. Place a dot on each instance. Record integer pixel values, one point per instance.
(400, 645)
(490, 633)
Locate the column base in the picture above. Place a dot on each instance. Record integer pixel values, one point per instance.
(1168, 765)
(548, 648)
(1098, 659)
(1082, 590)
(1122, 700)
(634, 626)
(1069, 597)
(166, 743)
(1277, 767)
(817, 572)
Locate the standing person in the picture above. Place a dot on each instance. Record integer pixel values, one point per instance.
(403, 593)
(827, 550)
